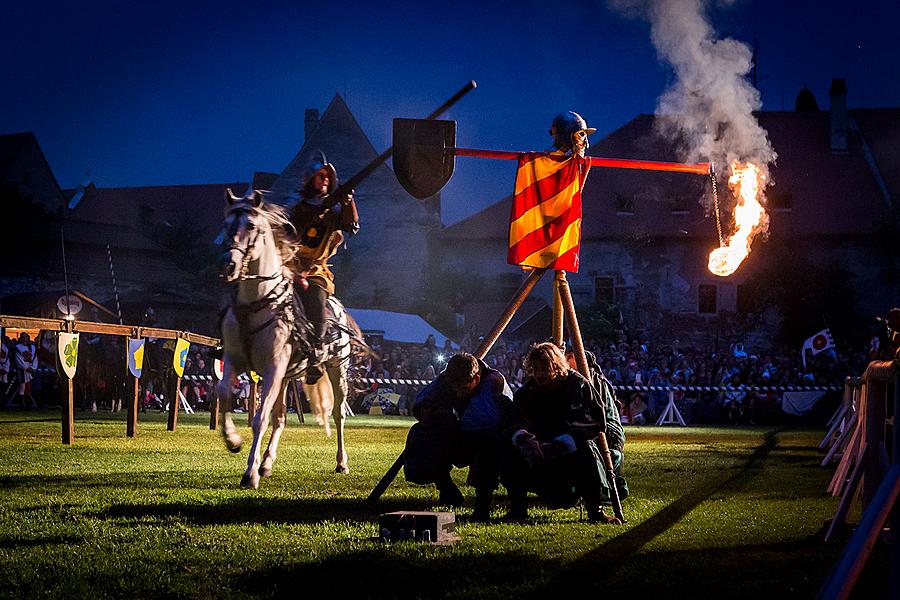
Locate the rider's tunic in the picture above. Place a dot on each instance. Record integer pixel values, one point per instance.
(320, 234)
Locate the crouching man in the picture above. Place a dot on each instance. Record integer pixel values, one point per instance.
(460, 416)
(554, 447)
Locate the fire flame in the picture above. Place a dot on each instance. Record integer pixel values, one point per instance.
(747, 181)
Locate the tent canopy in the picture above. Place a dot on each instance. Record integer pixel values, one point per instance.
(397, 327)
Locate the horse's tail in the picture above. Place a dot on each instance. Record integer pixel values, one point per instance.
(321, 401)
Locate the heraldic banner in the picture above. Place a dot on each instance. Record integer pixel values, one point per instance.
(67, 349)
(180, 358)
(545, 221)
(136, 356)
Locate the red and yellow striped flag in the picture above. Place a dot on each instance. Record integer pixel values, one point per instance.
(545, 221)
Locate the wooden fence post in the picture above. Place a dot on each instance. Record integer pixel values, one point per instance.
(173, 406)
(213, 401)
(68, 410)
(66, 386)
(131, 426)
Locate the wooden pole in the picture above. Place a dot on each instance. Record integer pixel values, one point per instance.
(173, 406)
(565, 295)
(213, 395)
(131, 426)
(68, 410)
(558, 310)
(66, 387)
(584, 369)
(511, 308)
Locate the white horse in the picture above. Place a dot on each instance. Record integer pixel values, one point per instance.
(264, 330)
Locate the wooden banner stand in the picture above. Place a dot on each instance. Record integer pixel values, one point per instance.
(68, 401)
(212, 395)
(562, 305)
(131, 425)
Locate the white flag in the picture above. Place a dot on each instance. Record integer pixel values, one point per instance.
(817, 343)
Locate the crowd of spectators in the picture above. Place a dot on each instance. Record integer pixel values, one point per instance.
(632, 365)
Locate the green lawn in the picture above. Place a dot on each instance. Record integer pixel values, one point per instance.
(714, 513)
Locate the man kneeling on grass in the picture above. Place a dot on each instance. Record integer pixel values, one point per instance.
(561, 414)
(460, 418)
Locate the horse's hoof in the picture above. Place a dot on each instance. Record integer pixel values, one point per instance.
(342, 469)
(234, 444)
(249, 482)
(265, 470)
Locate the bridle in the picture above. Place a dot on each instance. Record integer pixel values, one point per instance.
(243, 274)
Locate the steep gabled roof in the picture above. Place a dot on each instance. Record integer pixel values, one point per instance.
(345, 144)
(489, 223)
(880, 128)
(201, 206)
(22, 163)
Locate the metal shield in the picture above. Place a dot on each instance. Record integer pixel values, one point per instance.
(67, 347)
(422, 161)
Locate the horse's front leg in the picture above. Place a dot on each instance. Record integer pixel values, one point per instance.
(230, 435)
(272, 378)
(338, 377)
(279, 417)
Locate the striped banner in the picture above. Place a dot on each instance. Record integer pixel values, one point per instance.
(545, 220)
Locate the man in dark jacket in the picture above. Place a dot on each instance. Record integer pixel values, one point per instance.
(460, 417)
(557, 454)
(320, 220)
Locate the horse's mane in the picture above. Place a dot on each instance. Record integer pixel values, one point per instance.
(283, 230)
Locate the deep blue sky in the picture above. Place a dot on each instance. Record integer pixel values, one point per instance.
(172, 92)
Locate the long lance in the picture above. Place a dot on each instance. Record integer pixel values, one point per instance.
(349, 185)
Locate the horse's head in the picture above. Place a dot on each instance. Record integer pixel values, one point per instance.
(245, 226)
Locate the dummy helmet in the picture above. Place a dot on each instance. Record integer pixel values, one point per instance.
(564, 126)
(317, 162)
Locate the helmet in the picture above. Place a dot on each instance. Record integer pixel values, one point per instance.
(564, 126)
(317, 162)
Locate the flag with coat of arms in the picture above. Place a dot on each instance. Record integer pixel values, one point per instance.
(817, 343)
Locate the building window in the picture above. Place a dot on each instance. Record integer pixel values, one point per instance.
(681, 205)
(604, 290)
(624, 204)
(782, 200)
(746, 302)
(706, 299)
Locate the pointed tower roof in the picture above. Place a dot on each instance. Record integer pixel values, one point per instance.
(344, 143)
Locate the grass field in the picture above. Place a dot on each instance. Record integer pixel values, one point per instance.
(714, 513)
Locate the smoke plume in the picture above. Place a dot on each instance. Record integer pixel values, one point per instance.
(709, 107)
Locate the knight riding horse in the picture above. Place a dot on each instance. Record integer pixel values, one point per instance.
(266, 330)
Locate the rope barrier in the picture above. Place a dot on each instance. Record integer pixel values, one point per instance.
(621, 388)
(655, 388)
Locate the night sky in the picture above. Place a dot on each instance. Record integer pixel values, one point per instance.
(175, 93)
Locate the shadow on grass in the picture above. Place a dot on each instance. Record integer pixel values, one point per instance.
(14, 543)
(263, 510)
(413, 571)
(590, 571)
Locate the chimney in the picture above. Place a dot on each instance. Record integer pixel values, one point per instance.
(838, 94)
(310, 122)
